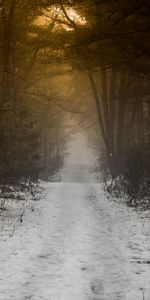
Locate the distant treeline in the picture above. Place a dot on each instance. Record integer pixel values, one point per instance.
(107, 40)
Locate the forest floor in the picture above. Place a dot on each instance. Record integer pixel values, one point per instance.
(77, 244)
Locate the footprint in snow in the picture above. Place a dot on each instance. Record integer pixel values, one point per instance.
(44, 256)
(97, 287)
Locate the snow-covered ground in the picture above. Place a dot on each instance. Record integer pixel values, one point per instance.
(77, 245)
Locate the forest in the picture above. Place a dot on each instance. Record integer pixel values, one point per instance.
(106, 41)
(74, 149)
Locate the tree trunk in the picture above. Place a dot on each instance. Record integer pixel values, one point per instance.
(98, 106)
(7, 38)
(105, 121)
(121, 122)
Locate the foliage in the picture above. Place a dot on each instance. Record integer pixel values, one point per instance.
(109, 41)
(23, 118)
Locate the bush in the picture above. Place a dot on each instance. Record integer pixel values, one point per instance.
(137, 175)
(134, 183)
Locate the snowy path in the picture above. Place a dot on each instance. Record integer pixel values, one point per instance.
(77, 245)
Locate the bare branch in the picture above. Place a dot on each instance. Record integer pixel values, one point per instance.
(73, 24)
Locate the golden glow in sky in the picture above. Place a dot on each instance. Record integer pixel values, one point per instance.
(56, 13)
(73, 15)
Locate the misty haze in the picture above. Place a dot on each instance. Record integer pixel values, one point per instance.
(75, 150)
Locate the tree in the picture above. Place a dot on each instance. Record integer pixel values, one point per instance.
(110, 45)
(22, 46)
